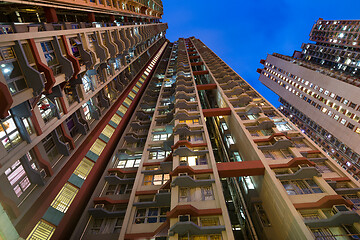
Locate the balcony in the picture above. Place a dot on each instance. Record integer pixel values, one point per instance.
(341, 216)
(184, 180)
(162, 198)
(304, 171)
(191, 228)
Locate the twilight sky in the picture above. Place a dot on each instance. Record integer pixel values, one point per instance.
(243, 32)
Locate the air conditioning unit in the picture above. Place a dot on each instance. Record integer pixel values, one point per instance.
(183, 174)
(340, 208)
(184, 218)
(43, 173)
(99, 205)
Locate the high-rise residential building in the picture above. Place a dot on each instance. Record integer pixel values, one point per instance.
(109, 131)
(319, 86)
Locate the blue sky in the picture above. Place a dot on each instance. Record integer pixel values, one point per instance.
(243, 32)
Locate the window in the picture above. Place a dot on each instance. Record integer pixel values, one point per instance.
(310, 214)
(200, 237)
(86, 83)
(229, 140)
(116, 119)
(224, 126)
(191, 121)
(128, 101)
(207, 193)
(128, 163)
(49, 53)
(237, 157)
(47, 108)
(323, 167)
(119, 189)
(17, 177)
(42, 231)
(64, 198)
(161, 137)
(11, 70)
(108, 131)
(98, 147)
(262, 215)
(283, 126)
(157, 179)
(159, 154)
(122, 109)
(184, 195)
(151, 215)
(193, 160)
(86, 110)
(9, 133)
(84, 168)
(296, 187)
(106, 225)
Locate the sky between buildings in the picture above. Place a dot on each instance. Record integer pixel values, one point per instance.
(243, 32)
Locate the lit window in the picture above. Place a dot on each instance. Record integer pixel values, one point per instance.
(296, 187)
(9, 133)
(64, 198)
(17, 177)
(108, 131)
(98, 147)
(151, 215)
(84, 168)
(41, 231)
(343, 121)
(11, 70)
(128, 163)
(157, 179)
(122, 109)
(116, 119)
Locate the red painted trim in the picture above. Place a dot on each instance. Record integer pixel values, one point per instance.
(188, 144)
(262, 61)
(120, 170)
(311, 151)
(193, 52)
(240, 169)
(269, 138)
(197, 63)
(213, 112)
(67, 137)
(194, 57)
(293, 163)
(6, 100)
(325, 202)
(50, 15)
(193, 211)
(206, 86)
(72, 58)
(42, 162)
(35, 123)
(150, 192)
(107, 200)
(200, 72)
(63, 105)
(189, 170)
(50, 79)
(339, 179)
(147, 164)
(166, 185)
(131, 236)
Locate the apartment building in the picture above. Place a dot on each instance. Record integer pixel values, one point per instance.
(113, 132)
(325, 76)
(62, 82)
